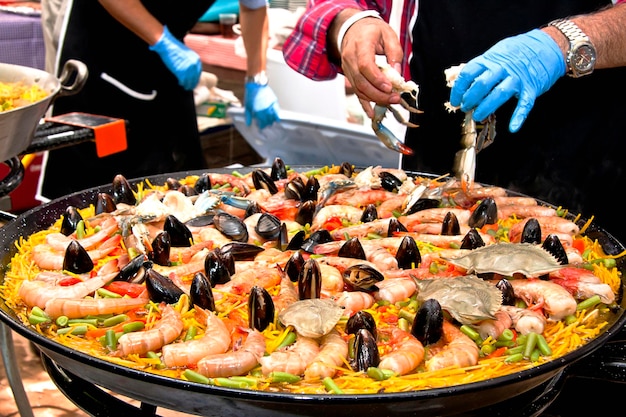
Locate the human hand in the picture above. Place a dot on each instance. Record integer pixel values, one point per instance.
(179, 59)
(523, 66)
(260, 103)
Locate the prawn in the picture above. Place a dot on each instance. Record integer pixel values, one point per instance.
(453, 349)
(216, 339)
(548, 224)
(526, 211)
(556, 300)
(434, 215)
(165, 331)
(59, 241)
(294, 358)
(74, 309)
(236, 362)
(378, 227)
(353, 301)
(406, 355)
(360, 198)
(333, 352)
(348, 213)
(494, 327)
(287, 294)
(242, 282)
(525, 320)
(47, 257)
(395, 289)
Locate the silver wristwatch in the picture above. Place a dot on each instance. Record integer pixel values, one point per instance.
(581, 56)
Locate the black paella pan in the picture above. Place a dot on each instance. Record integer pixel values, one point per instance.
(75, 372)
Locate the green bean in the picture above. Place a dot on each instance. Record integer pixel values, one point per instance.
(404, 324)
(80, 229)
(191, 333)
(91, 322)
(514, 350)
(61, 321)
(110, 340)
(288, 340)
(153, 355)
(433, 268)
(330, 385)
(112, 321)
(229, 383)
(505, 343)
(376, 373)
(196, 377)
(530, 345)
(521, 339)
(506, 335)
(39, 312)
(107, 294)
(35, 319)
(487, 349)
(287, 377)
(514, 358)
(407, 315)
(471, 333)
(75, 330)
(569, 319)
(534, 356)
(543, 346)
(133, 326)
(246, 379)
(588, 303)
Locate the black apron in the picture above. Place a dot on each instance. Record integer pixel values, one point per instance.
(569, 152)
(163, 133)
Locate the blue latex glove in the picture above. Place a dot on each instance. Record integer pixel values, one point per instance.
(260, 103)
(184, 63)
(523, 66)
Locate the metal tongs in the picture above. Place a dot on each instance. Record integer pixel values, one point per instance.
(474, 138)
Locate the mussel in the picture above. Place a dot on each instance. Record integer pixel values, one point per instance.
(201, 293)
(253, 208)
(450, 225)
(370, 213)
(268, 226)
(216, 270)
(361, 320)
(318, 237)
(352, 248)
(135, 270)
(389, 181)
(104, 204)
(279, 170)
(553, 245)
(422, 204)
(161, 288)
(362, 277)
(172, 183)
(311, 187)
(408, 254)
(485, 213)
(161, 248)
(70, 221)
(294, 265)
(427, 325)
(203, 183)
(205, 219)
(294, 189)
(261, 308)
(365, 351)
(508, 294)
(76, 259)
(472, 240)
(241, 251)
(310, 280)
(180, 235)
(346, 169)
(263, 181)
(188, 190)
(395, 226)
(122, 191)
(306, 212)
(231, 226)
(531, 233)
(297, 240)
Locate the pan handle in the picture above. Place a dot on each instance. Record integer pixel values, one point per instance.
(73, 77)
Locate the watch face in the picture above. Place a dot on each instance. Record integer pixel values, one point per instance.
(583, 58)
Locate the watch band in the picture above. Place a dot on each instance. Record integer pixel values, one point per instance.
(259, 78)
(576, 37)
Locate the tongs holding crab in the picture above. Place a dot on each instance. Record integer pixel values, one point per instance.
(408, 92)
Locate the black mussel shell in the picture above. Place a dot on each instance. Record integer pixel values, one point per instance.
(161, 288)
(282, 242)
(310, 280)
(70, 221)
(450, 225)
(362, 277)
(268, 226)
(370, 213)
(104, 203)
(472, 240)
(231, 226)
(346, 169)
(180, 235)
(135, 270)
(122, 191)
(352, 248)
(297, 240)
(201, 293)
(228, 259)
(423, 204)
(203, 183)
(77, 259)
(172, 184)
(365, 351)
(531, 232)
(306, 212)
(252, 208)
(279, 170)
(311, 188)
(294, 189)
(216, 271)
(609, 244)
(408, 254)
(294, 265)
(261, 309)
(485, 213)
(553, 245)
(205, 219)
(188, 190)
(241, 251)
(427, 325)
(262, 181)
(389, 181)
(508, 294)
(316, 238)
(161, 248)
(395, 226)
(361, 320)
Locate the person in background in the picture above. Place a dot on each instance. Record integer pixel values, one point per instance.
(260, 102)
(52, 12)
(566, 151)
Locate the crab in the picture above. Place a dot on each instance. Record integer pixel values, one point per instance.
(408, 91)
(314, 317)
(508, 259)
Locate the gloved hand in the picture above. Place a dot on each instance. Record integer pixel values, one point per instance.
(184, 63)
(524, 66)
(260, 103)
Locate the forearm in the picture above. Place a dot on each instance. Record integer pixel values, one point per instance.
(255, 34)
(134, 16)
(607, 31)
